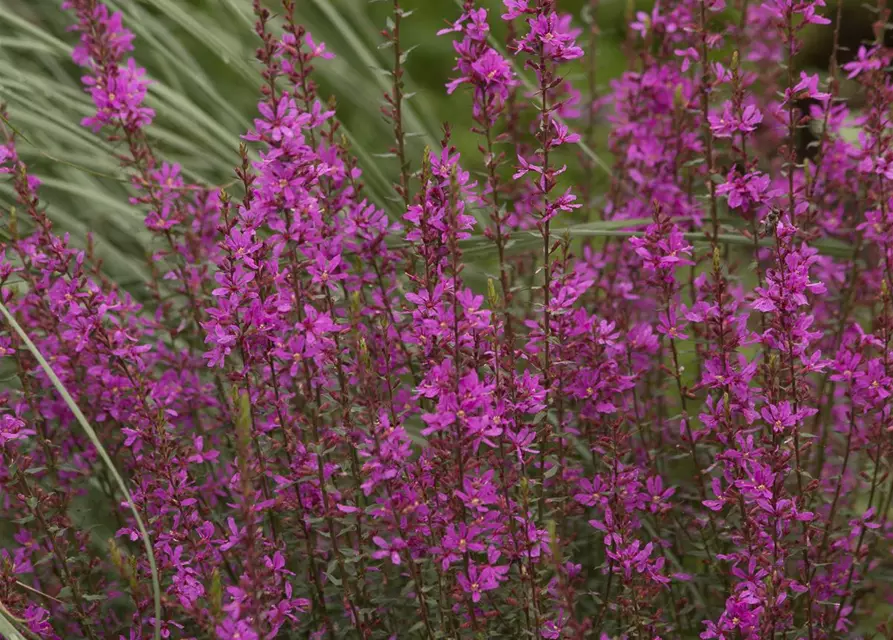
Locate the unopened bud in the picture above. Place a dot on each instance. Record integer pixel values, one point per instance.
(132, 573)
(215, 593)
(492, 296)
(678, 98)
(554, 542)
(364, 350)
(115, 555)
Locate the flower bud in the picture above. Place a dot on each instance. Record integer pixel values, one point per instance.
(426, 161)
(678, 99)
(131, 574)
(492, 296)
(115, 555)
(215, 593)
(364, 353)
(553, 541)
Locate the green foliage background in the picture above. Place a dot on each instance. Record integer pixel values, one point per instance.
(200, 54)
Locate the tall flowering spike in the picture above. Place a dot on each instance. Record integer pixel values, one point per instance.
(182, 216)
(115, 82)
(490, 75)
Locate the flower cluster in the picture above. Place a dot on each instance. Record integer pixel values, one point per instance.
(669, 420)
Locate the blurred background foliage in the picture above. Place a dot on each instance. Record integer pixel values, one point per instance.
(200, 54)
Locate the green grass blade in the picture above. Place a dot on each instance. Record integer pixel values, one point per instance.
(216, 41)
(620, 229)
(7, 628)
(369, 59)
(23, 26)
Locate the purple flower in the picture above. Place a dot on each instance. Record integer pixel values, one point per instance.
(387, 549)
(779, 417)
(808, 87)
(475, 581)
(729, 122)
(746, 191)
(867, 60)
(551, 32)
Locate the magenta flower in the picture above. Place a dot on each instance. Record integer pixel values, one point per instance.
(387, 549)
(867, 60)
(476, 581)
(746, 191)
(808, 87)
(491, 69)
(657, 496)
(729, 122)
(779, 417)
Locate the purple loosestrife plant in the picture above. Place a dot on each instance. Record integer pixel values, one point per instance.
(671, 419)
